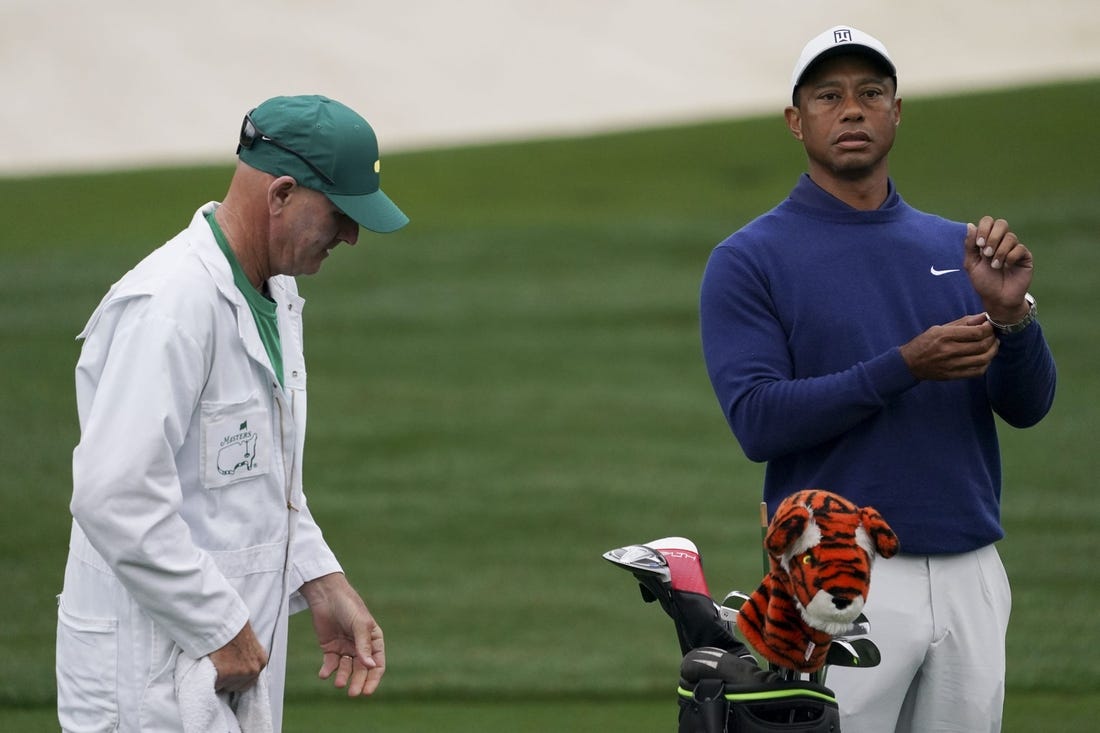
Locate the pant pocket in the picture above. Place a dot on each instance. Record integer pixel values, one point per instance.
(995, 583)
(87, 673)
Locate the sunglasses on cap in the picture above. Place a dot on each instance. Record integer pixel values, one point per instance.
(250, 134)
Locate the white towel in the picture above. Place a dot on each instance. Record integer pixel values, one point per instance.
(204, 711)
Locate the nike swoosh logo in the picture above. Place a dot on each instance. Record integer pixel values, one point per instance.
(937, 273)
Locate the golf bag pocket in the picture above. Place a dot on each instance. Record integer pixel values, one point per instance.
(714, 706)
(704, 708)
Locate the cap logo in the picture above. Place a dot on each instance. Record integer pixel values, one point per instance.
(842, 35)
(378, 166)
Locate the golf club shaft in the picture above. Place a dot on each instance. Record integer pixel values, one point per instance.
(764, 535)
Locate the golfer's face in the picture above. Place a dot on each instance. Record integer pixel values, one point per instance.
(848, 115)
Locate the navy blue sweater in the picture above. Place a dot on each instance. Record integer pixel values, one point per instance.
(803, 312)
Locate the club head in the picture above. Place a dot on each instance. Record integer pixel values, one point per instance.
(651, 558)
(853, 653)
(640, 559)
(670, 570)
(662, 566)
(735, 599)
(731, 606)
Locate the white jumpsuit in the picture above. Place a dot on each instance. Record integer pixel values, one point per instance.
(189, 516)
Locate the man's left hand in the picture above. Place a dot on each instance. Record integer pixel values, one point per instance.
(350, 639)
(1000, 268)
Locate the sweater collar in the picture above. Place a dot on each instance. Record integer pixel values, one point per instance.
(815, 200)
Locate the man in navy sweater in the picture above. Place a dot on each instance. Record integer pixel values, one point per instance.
(858, 345)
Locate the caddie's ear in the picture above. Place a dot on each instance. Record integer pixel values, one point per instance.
(788, 524)
(279, 192)
(886, 542)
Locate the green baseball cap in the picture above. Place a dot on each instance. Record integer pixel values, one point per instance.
(323, 145)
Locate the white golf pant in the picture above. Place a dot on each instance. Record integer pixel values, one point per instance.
(940, 622)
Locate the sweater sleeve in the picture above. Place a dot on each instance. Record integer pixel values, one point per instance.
(1022, 378)
(746, 350)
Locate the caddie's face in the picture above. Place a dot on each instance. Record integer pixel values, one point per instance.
(307, 230)
(847, 117)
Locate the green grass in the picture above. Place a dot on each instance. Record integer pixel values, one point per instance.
(513, 384)
(655, 712)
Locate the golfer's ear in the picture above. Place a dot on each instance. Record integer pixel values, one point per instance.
(794, 121)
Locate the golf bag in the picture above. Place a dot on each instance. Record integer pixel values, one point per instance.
(723, 693)
(721, 688)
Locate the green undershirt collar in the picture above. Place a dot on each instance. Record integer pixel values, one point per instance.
(263, 309)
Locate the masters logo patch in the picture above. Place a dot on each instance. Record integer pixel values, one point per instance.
(236, 443)
(237, 452)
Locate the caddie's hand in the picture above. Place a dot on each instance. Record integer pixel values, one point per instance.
(958, 350)
(1000, 268)
(239, 662)
(351, 640)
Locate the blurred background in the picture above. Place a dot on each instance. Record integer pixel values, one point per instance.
(512, 384)
(119, 83)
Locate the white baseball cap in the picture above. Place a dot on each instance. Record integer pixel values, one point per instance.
(836, 40)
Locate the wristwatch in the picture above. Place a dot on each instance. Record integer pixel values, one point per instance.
(1020, 325)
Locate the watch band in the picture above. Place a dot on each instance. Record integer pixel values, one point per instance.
(1020, 325)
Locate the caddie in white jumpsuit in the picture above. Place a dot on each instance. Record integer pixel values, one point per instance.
(192, 539)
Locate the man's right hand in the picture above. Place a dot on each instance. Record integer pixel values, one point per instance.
(239, 662)
(961, 349)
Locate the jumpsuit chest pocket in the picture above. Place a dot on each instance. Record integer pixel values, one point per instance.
(237, 441)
